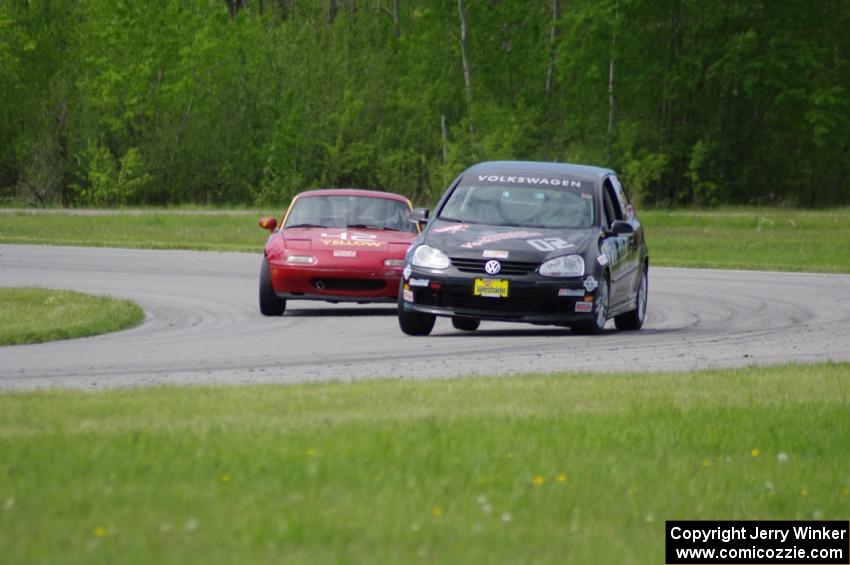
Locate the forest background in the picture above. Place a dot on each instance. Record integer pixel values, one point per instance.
(247, 102)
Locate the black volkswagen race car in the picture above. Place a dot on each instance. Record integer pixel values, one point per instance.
(544, 243)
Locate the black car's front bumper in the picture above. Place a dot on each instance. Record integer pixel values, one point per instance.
(531, 298)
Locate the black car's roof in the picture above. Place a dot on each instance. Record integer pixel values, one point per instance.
(541, 167)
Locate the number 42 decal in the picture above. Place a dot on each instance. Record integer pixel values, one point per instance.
(549, 244)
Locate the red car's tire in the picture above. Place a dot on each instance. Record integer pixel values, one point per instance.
(270, 303)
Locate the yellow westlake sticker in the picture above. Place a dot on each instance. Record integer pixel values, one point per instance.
(490, 288)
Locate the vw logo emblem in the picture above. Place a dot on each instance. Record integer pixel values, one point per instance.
(492, 267)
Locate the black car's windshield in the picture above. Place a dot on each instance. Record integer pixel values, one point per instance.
(522, 201)
(364, 212)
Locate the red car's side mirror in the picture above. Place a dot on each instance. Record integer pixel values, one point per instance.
(268, 223)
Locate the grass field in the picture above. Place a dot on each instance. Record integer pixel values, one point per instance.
(781, 240)
(32, 315)
(766, 239)
(559, 468)
(150, 229)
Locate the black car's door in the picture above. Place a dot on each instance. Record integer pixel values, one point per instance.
(620, 250)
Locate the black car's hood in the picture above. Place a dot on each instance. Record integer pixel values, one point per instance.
(505, 242)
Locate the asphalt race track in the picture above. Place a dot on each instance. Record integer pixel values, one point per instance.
(202, 326)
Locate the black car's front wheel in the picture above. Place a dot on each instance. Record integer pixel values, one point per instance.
(634, 320)
(466, 324)
(414, 323)
(599, 316)
(270, 303)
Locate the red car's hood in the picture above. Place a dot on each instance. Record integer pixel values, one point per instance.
(348, 238)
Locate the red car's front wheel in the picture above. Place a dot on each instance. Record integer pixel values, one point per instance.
(270, 303)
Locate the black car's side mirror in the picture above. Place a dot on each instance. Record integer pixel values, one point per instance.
(420, 216)
(621, 227)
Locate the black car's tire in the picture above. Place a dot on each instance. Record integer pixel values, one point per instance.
(634, 320)
(600, 309)
(270, 303)
(466, 324)
(414, 323)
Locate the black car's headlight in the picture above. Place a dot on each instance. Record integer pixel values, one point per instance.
(430, 258)
(564, 266)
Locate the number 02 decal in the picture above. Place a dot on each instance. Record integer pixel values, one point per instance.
(549, 244)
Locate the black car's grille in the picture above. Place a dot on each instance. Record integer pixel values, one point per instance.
(508, 267)
(348, 284)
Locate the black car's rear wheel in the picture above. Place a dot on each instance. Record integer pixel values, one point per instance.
(466, 324)
(634, 320)
(270, 303)
(600, 310)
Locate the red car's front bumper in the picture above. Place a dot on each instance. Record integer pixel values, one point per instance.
(306, 282)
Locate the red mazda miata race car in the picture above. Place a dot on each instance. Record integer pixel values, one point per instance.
(337, 245)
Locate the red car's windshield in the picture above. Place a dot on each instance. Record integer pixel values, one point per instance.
(364, 212)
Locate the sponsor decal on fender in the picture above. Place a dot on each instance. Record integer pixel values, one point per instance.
(590, 284)
(407, 295)
(570, 292)
(584, 306)
(406, 272)
(602, 260)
